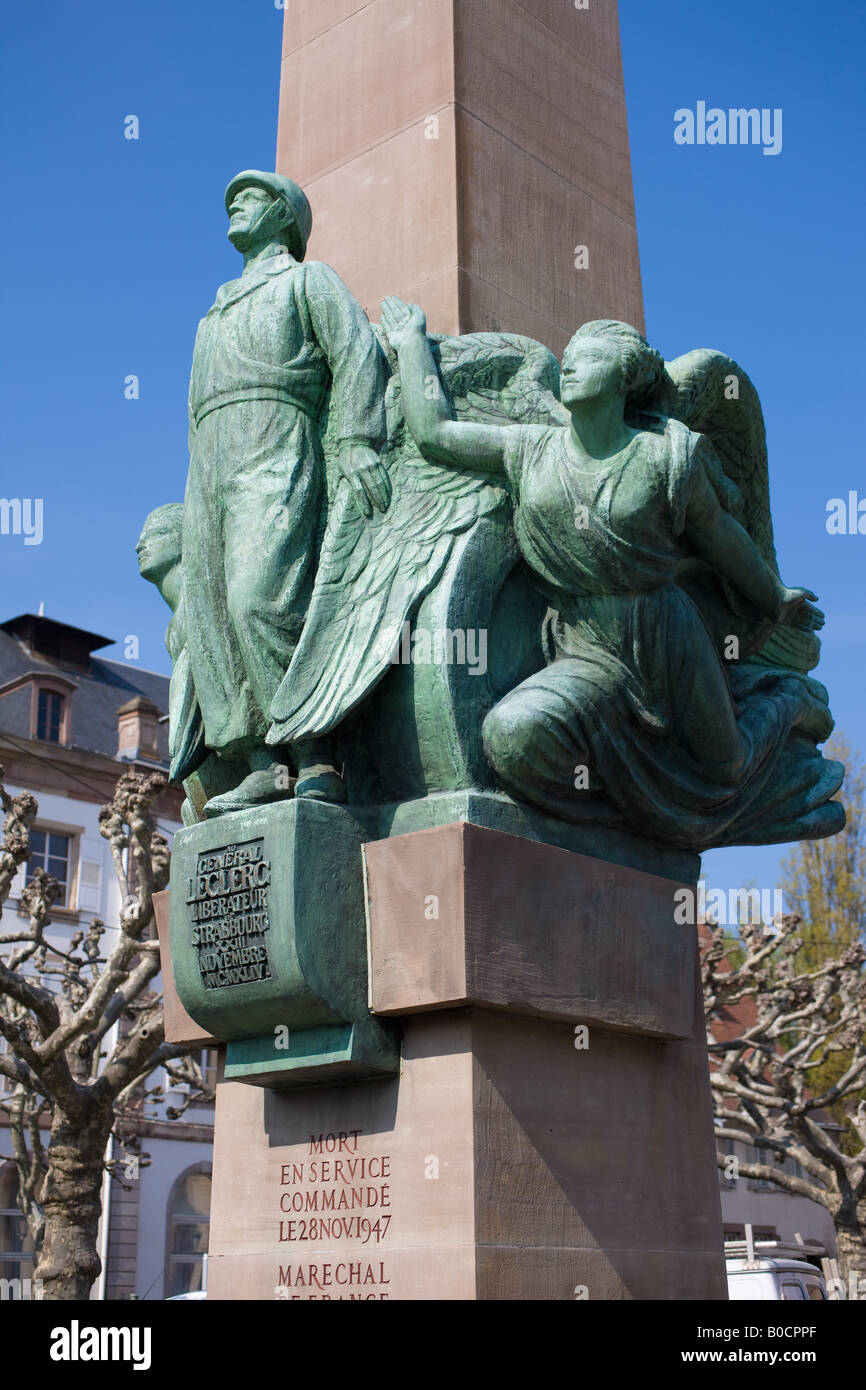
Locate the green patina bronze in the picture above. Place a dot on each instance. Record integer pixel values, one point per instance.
(159, 559)
(442, 578)
(675, 699)
(422, 564)
(269, 945)
(280, 346)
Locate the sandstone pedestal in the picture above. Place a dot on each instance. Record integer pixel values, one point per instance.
(549, 1135)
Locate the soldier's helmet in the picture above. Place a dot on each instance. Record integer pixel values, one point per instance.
(293, 197)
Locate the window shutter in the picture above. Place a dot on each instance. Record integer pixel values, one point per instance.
(90, 874)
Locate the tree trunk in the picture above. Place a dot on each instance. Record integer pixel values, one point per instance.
(69, 1260)
(851, 1247)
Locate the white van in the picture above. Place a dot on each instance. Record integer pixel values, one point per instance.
(774, 1269)
(775, 1279)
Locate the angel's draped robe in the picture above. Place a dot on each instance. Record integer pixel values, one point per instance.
(684, 749)
(266, 354)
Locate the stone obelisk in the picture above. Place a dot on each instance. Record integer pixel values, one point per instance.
(547, 1130)
(470, 155)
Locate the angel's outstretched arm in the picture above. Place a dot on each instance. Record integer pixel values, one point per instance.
(720, 539)
(440, 438)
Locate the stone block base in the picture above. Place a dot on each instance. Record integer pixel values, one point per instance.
(504, 1163)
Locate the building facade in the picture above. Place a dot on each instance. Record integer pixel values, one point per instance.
(70, 723)
(773, 1213)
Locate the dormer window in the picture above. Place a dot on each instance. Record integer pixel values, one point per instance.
(49, 708)
(49, 716)
(49, 699)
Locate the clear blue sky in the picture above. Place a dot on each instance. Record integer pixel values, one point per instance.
(113, 249)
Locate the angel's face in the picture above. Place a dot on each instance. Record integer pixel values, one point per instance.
(158, 553)
(590, 369)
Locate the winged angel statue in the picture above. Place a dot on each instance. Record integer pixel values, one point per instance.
(663, 685)
(648, 668)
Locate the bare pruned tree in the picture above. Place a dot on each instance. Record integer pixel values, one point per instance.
(83, 1030)
(771, 1029)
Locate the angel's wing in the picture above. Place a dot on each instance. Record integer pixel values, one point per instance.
(715, 397)
(501, 378)
(373, 573)
(711, 394)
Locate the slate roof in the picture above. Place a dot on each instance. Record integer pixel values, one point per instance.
(100, 691)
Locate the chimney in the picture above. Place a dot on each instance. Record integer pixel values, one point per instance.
(138, 731)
